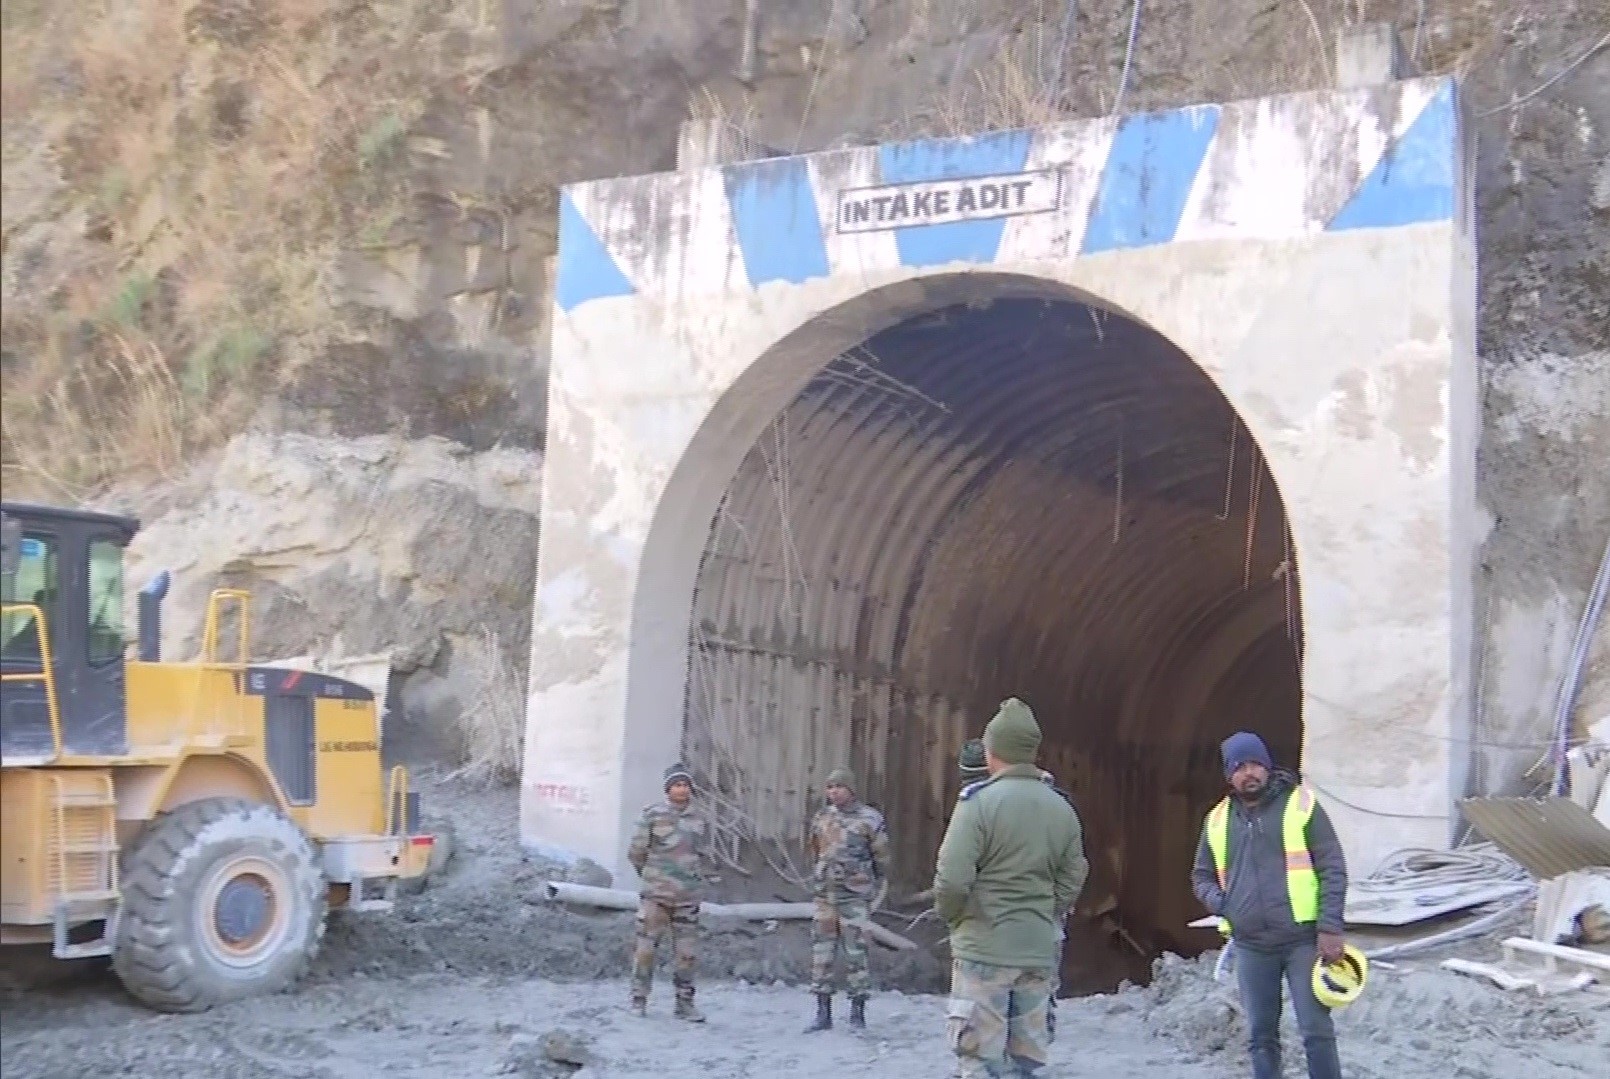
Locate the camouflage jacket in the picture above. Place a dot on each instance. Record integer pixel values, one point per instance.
(666, 849)
(851, 849)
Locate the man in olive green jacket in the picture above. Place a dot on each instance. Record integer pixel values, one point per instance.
(1010, 868)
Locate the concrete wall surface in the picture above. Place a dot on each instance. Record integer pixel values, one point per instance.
(1313, 254)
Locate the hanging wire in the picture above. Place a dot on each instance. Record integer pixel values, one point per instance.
(816, 73)
(778, 471)
(1118, 499)
(865, 360)
(1053, 89)
(1347, 712)
(1096, 321)
(1129, 52)
(1255, 467)
(1229, 472)
(1478, 719)
(1390, 814)
(1524, 98)
(1286, 572)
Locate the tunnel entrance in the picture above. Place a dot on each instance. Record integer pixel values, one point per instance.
(1016, 497)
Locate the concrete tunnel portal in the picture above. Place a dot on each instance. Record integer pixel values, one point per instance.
(1174, 444)
(1004, 495)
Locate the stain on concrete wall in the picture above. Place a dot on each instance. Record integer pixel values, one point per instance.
(1545, 454)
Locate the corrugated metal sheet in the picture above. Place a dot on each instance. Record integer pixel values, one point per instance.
(1549, 836)
(1024, 499)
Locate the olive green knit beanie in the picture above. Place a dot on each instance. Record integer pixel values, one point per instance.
(1013, 736)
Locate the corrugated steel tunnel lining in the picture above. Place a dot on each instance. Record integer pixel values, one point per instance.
(1022, 497)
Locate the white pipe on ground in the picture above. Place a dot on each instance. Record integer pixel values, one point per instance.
(586, 895)
(617, 899)
(759, 912)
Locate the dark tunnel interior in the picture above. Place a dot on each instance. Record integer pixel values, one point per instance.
(1019, 497)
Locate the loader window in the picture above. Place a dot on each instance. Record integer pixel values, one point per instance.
(105, 601)
(34, 582)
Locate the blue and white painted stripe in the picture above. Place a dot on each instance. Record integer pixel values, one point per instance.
(857, 253)
(1078, 152)
(1412, 180)
(669, 235)
(1265, 169)
(1154, 160)
(1000, 154)
(776, 214)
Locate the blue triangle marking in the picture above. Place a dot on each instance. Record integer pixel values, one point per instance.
(1414, 180)
(586, 269)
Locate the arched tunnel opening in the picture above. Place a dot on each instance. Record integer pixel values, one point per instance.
(1027, 497)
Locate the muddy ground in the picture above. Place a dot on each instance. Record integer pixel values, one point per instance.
(475, 976)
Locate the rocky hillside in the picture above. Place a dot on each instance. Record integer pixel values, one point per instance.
(336, 217)
(416, 551)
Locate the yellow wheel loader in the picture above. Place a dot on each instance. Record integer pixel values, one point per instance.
(193, 821)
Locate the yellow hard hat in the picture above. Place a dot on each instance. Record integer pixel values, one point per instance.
(1339, 984)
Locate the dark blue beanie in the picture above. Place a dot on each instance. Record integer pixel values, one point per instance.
(1241, 747)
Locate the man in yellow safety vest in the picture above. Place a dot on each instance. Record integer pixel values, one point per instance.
(1270, 866)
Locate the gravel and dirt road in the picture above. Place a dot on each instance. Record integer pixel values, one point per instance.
(475, 977)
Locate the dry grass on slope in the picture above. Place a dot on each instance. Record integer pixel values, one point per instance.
(178, 177)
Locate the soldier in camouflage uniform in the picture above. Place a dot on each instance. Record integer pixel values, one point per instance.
(971, 762)
(850, 847)
(665, 850)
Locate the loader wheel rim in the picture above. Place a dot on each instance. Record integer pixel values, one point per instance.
(245, 910)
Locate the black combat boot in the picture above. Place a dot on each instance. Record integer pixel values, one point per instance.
(824, 1014)
(686, 1011)
(858, 1013)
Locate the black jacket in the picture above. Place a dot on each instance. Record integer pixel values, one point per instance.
(1256, 900)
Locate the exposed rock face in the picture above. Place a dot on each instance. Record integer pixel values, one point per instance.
(350, 547)
(361, 231)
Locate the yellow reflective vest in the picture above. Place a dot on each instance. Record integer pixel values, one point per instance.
(1302, 883)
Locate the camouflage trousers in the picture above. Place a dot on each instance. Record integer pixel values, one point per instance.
(654, 919)
(995, 1021)
(1056, 985)
(830, 928)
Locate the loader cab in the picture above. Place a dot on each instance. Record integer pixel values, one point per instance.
(63, 612)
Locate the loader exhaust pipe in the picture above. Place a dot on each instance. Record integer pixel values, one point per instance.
(151, 597)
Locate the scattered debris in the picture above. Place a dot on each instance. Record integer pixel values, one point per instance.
(1505, 979)
(1587, 767)
(566, 1047)
(1574, 908)
(1477, 927)
(1417, 885)
(1549, 836)
(467, 978)
(557, 1054)
(1562, 841)
(1555, 954)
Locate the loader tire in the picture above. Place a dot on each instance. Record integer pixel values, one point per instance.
(222, 899)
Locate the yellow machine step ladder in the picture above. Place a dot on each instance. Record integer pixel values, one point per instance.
(82, 860)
